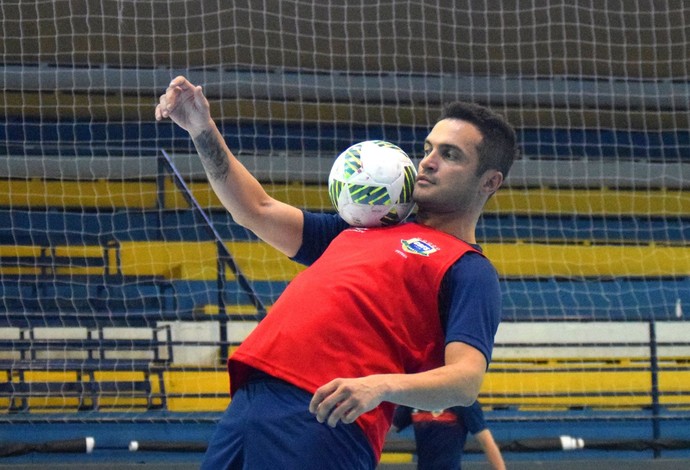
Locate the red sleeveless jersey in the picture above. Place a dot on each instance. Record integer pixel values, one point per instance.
(368, 305)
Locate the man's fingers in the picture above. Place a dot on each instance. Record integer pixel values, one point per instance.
(351, 415)
(325, 408)
(342, 412)
(319, 396)
(324, 401)
(332, 403)
(314, 403)
(347, 412)
(163, 109)
(179, 81)
(170, 100)
(199, 97)
(336, 415)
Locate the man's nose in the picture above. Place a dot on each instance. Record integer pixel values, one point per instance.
(428, 162)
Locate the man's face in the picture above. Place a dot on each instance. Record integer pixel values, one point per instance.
(447, 179)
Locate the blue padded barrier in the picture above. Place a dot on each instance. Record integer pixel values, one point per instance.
(58, 227)
(619, 299)
(87, 138)
(624, 299)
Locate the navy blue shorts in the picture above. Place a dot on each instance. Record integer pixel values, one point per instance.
(268, 426)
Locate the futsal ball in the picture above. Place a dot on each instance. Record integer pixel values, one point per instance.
(370, 184)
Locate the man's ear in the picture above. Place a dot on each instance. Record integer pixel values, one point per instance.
(493, 180)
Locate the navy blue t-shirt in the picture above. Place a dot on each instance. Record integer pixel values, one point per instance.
(469, 299)
(441, 440)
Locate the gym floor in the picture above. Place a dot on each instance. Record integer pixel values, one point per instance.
(602, 464)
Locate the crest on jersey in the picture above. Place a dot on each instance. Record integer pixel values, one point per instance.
(417, 246)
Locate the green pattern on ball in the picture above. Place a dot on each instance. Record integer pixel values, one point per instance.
(371, 195)
(352, 163)
(391, 218)
(334, 192)
(408, 185)
(384, 144)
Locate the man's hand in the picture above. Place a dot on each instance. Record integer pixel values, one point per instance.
(347, 399)
(456, 383)
(186, 105)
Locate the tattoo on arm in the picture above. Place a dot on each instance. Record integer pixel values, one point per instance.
(213, 155)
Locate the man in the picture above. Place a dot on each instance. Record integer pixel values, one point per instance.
(314, 385)
(440, 436)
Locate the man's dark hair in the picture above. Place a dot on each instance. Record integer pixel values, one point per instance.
(498, 148)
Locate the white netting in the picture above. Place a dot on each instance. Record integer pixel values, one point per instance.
(107, 268)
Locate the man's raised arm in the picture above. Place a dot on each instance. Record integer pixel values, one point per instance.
(275, 222)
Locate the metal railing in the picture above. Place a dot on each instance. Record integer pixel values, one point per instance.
(225, 258)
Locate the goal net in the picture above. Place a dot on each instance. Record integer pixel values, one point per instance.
(122, 275)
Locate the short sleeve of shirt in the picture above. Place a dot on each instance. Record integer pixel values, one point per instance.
(472, 416)
(318, 232)
(470, 303)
